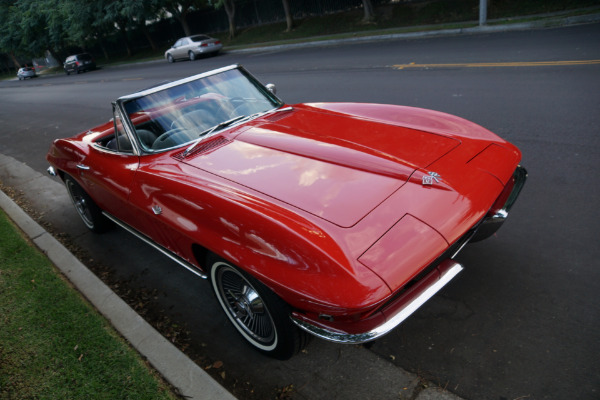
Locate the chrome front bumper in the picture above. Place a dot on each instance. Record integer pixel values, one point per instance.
(494, 221)
(51, 171)
(393, 314)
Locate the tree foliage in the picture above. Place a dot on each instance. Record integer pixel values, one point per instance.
(180, 10)
(30, 28)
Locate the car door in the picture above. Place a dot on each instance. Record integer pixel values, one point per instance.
(178, 50)
(108, 171)
(188, 45)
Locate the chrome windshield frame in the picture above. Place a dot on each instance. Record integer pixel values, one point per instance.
(120, 103)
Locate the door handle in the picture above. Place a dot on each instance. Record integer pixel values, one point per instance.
(83, 167)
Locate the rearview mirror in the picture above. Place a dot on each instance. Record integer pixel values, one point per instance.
(271, 87)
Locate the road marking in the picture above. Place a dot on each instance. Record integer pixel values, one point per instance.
(498, 64)
(132, 79)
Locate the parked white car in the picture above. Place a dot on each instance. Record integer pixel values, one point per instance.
(26, 72)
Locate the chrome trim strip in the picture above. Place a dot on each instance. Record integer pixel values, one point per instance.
(520, 176)
(397, 319)
(169, 85)
(492, 223)
(465, 240)
(157, 246)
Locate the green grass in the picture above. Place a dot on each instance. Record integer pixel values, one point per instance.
(53, 344)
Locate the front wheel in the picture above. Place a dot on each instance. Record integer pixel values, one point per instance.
(90, 213)
(192, 55)
(170, 58)
(259, 315)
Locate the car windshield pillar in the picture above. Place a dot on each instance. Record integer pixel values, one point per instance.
(125, 141)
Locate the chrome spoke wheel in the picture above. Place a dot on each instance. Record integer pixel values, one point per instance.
(80, 202)
(90, 213)
(244, 306)
(258, 314)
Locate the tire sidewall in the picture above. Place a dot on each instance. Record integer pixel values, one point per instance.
(286, 342)
(98, 223)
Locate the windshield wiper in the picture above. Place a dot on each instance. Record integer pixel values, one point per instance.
(229, 122)
(220, 125)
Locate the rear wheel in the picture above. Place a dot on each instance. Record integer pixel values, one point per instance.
(259, 315)
(90, 213)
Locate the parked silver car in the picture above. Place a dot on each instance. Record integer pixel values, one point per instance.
(191, 47)
(26, 72)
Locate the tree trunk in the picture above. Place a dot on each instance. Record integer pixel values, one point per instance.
(103, 47)
(288, 15)
(368, 7)
(125, 38)
(146, 32)
(184, 24)
(14, 60)
(230, 10)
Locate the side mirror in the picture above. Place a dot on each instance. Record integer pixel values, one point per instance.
(271, 87)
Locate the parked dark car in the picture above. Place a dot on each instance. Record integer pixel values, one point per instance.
(79, 63)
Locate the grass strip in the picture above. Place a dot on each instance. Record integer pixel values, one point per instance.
(55, 345)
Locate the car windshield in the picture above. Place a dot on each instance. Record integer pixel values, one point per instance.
(196, 108)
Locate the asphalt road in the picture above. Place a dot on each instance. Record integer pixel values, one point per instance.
(522, 320)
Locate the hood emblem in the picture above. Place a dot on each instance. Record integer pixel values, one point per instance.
(430, 178)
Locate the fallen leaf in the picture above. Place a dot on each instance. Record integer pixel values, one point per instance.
(217, 364)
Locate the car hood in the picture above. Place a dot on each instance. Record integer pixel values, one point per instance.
(335, 165)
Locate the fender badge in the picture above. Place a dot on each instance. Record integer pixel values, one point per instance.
(157, 210)
(430, 178)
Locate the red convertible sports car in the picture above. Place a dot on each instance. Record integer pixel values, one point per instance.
(333, 219)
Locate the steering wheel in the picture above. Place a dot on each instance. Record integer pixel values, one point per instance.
(171, 138)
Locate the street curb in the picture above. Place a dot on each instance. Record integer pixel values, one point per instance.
(552, 22)
(191, 381)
